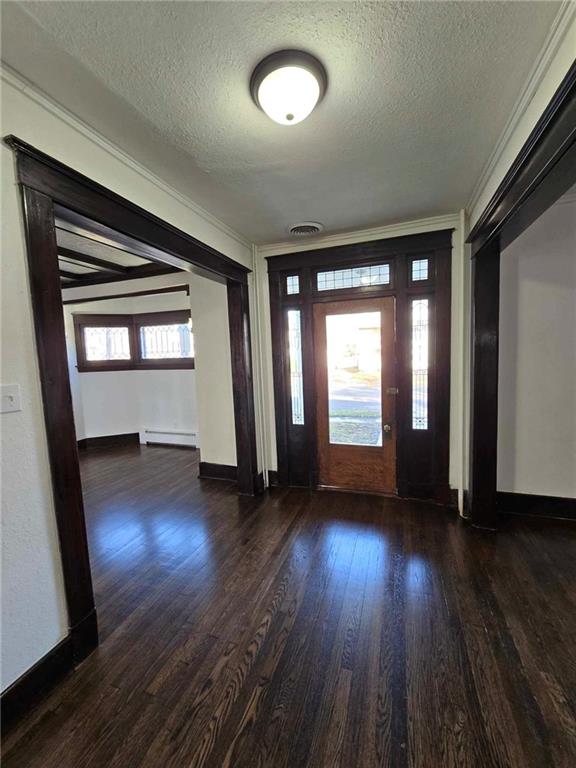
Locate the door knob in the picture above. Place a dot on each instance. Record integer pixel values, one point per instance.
(387, 428)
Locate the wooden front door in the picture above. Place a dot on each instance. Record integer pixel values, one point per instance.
(355, 394)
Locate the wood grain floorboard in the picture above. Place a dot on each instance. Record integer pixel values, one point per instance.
(308, 630)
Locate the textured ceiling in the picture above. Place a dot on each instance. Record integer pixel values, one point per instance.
(418, 95)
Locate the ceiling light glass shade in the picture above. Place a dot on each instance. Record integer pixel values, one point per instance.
(287, 86)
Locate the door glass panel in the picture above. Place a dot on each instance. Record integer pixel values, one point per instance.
(354, 361)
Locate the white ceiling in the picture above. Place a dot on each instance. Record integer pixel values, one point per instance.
(418, 95)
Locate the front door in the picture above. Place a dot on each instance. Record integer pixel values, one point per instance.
(355, 393)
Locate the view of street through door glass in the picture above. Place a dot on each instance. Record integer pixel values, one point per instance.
(354, 378)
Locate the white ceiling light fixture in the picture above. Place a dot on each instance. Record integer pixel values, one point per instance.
(287, 85)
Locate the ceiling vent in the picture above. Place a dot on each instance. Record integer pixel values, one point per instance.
(305, 229)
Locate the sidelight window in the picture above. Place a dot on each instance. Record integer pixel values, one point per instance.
(295, 360)
(420, 355)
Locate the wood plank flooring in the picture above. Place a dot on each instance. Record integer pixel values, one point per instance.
(309, 629)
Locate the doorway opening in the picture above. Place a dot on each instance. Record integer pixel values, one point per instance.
(53, 192)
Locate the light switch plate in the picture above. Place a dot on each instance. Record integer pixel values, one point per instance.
(10, 395)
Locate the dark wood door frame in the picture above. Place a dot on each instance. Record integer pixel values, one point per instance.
(422, 459)
(47, 184)
(544, 169)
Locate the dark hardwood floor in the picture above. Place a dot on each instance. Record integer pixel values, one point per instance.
(309, 629)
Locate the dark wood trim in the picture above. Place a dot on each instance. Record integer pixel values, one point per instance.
(152, 292)
(49, 186)
(75, 276)
(543, 170)
(371, 252)
(422, 455)
(109, 441)
(272, 477)
(93, 261)
(243, 394)
(179, 446)
(210, 471)
(531, 504)
(135, 273)
(551, 138)
(60, 431)
(36, 683)
(484, 385)
(133, 322)
(73, 190)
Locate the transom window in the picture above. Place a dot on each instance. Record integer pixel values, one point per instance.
(419, 270)
(126, 342)
(292, 284)
(353, 277)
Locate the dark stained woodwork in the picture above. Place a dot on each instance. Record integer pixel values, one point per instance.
(93, 261)
(484, 386)
(249, 479)
(543, 170)
(422, 455)
(58, 415)
(46, 186)
(551, 142)
(134, 273)
(26, 692)
(152, 292)
(109, 441)
(128, 222)
(532, 504)
(309, 630)
(357, 467)
(76, 276)
(209, 471)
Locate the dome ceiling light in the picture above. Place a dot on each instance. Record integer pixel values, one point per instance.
(287, 85)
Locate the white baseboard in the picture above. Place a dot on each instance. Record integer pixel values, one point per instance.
(171, 437)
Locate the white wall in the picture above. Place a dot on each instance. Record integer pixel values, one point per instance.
(33, 606)
(120, 402)
(537, 368)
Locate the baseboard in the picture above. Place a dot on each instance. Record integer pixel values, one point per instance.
(84, 637)
(209, 471)
(531, 504)
(35, 684)
(108, 441)
(171, 445)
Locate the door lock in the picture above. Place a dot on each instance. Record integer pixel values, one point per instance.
(387, 428)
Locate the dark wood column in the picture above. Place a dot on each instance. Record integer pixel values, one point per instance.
(484, 385)
(249, 480)
(58, 415)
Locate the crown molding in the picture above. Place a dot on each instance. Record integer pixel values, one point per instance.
(16, 80)
(417, 226)
(554, 39)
